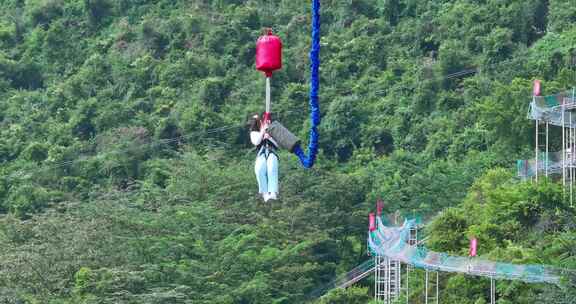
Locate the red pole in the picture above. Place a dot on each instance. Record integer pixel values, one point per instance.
(379, 207)
(371, 222)
(537, 87)
(473, 246)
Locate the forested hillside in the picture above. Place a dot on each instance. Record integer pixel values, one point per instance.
(127, 173)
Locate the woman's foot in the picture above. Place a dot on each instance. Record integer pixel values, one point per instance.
(272, 195)
(265, 196)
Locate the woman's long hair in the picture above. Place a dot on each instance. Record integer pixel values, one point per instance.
(254, 123)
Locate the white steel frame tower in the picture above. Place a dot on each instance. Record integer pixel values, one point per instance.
(432, 286)
(564, 116)
(387, 279)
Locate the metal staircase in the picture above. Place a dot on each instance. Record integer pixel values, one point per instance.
(431, 293)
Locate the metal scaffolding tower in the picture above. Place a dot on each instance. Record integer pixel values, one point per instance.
(381, 279)
(492, 291)
(389, 284)
(395, 279)
(542, 144)
(388, 278)
(559, 111)
(412, 241)
(432, 288)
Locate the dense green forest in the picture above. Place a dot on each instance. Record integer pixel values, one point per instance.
(127, 173)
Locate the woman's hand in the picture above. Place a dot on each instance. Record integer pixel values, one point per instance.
(265, 125)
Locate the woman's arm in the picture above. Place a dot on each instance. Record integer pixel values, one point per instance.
(256, 137)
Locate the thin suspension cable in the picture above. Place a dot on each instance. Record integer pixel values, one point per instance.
(24, 173)
(467, 71)
(27, 172)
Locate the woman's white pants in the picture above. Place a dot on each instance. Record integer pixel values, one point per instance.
(266, 169)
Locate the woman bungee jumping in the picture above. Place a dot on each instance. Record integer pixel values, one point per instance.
(266, 165)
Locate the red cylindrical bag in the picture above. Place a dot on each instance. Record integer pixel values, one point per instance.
(268, 53)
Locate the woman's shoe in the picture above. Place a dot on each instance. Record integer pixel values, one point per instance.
(273, 195)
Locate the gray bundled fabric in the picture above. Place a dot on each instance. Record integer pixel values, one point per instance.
(282, 136)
